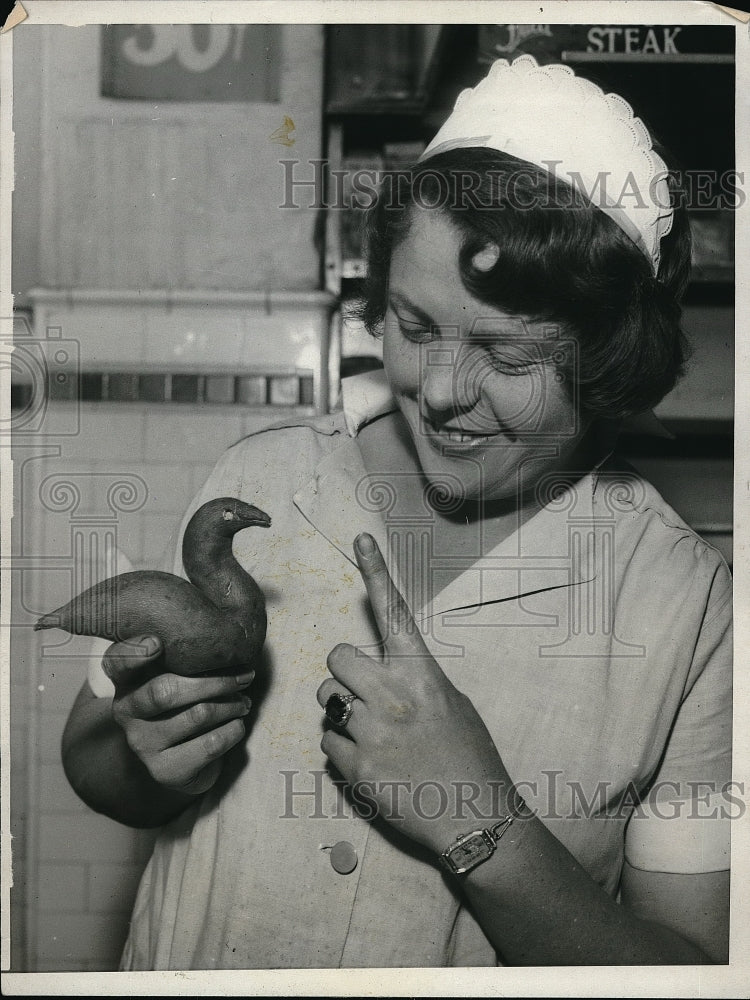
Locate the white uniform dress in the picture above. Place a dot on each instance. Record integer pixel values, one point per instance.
(595, 642)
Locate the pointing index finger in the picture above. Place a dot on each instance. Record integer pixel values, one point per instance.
(392, 613)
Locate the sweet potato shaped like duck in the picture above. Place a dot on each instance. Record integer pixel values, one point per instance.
(216, 622)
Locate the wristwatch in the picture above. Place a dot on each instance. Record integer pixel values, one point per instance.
(473, 848)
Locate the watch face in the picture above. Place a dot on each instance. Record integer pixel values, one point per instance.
(469, 852)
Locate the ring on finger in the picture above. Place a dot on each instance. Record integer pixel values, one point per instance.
(339, 709)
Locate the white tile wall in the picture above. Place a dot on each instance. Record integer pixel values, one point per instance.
(69, 882)
(201, 331)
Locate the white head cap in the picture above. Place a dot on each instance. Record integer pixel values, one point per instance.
(565, 124)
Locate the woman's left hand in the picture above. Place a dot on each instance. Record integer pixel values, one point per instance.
(413, 743)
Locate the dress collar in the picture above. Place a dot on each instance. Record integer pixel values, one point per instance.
(365, 397)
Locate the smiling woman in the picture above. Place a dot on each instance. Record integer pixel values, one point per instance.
(478, 389)
(518, 737)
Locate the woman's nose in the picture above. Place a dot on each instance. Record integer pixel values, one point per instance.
(446, 381)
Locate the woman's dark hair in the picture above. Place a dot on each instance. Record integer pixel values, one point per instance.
(561, 260)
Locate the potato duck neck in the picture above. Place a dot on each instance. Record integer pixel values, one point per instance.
(208, 559)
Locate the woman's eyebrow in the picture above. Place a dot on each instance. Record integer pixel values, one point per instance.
(399, 299)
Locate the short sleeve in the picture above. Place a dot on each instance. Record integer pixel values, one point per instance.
(683, 823)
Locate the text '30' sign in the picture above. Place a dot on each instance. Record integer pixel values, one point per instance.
(191, 62)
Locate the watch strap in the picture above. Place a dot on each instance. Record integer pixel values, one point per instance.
(497, 831)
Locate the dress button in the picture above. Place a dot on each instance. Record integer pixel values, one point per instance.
(343, 857)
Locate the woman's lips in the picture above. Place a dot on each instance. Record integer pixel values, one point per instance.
(462, 435)
(454, 440)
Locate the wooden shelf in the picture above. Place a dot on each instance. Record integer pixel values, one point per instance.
(707, 58)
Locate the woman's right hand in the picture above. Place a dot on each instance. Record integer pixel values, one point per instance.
(179, 727)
